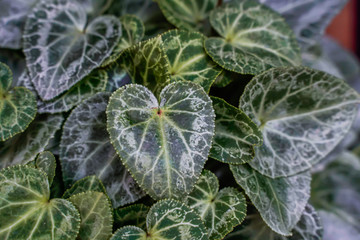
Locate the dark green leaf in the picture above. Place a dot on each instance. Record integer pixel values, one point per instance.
(132, 215)
(89, 183)
(47, 163)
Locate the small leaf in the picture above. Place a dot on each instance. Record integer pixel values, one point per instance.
(188, 59)
(303, 115)
(253, 38)
(24, 147)
(164, 145)
(86, 150)
(96, 215)
(117, 78)
(26, 211)
(47, 163)
(280, 201)
(15, 60)
(62, 47)
(224, 79)
(132, 215)
(220, 211)
(235, 134)
(17, 106)
(167, 219)
(86, 184)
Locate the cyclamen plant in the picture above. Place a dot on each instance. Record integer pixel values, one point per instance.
(176, 119)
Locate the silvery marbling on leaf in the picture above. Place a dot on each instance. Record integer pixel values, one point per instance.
(165, 143)
(62, 46)
(46, 162)
(89, 183)
(26, 210)
(280, 201)
(303, 115)
(85, 150)
(252, 38)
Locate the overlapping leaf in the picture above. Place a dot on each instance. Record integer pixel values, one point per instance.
(86, 184)
(280, 201)
(15, 60)
(134, 215)
(221, 210)
(165, 143)
(303, 115)
(62, 46)
(253, 38)
(224, 79)
(168, 219)
(17, 106)
(24, 147)
(47, 163)
(26, 211)
(235, 134)
(86, 150)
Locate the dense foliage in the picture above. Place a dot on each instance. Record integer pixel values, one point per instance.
(177, 119)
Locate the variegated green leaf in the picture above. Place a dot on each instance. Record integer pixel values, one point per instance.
(86, 150)
(235, 134)
(280, 201)
(47, 163)
(132, 215)
(62, 46)
(133, 31)
(96, 215)
(165, 143)
(309, 227)
(303, 115)
(166, 220)
(224, 79)
(26, 210)
(221, 210)
(17, 106)
(253, 38)
(89, 183)
(189, 15)
(188, 59)
(24, 147)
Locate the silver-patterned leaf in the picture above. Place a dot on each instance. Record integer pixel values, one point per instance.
(253, 38)
(86, 150)
(89, 183)
(62, 47)
(24, 147)
(47, 163)
(165, 143)
(280, 201)
(303, 115)
(235, 134)
(117, 78)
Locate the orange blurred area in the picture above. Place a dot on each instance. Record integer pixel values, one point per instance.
(343, 27)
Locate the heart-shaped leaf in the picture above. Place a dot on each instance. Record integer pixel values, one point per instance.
(47, 163)
(96, 215)
(26, 211)
(167, 219)
(17, 106)
(235, 134)
(303, 115)
(221, 210)
(188, 60)
(164, 145)
(86, 184)
(62, 47)
(280, 201)
(24, 147)
(253, 38)
(85, 150)
(132, 215)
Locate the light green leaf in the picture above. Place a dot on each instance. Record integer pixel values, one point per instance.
(89, 183)
(47, 163)
(221, 210)
(132, 215)
(167, 219)
(280, 201)
(303, 115)
(253, 38)
(86, 150)
(188, 59)
(62, 46)
(17, 106)
(24, 147)
(308, 228)
(163, 144)
(96, 215)
(235, 134)
(26, 211)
